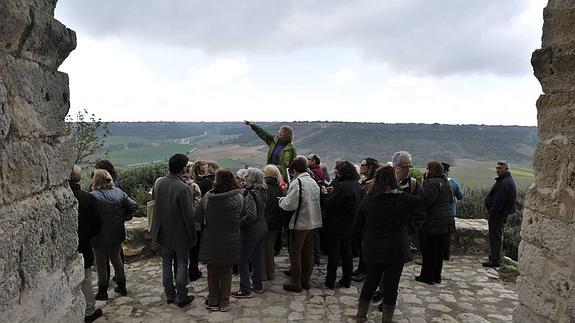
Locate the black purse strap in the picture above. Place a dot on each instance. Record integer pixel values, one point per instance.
(298, 204)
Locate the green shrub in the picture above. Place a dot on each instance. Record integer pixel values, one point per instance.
(137, 182)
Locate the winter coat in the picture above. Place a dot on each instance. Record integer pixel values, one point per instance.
(114, 207)
(413, 187)
(387, 224)
(274, 214)
(309, 216)
(174, 225)
(254, 227)
(287, 155)
(501, 199)
(341, 208)
(221, 238)
(438, 215)
(89, 222)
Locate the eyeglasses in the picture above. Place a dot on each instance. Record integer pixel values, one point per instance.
(405, 166)
(363, 165)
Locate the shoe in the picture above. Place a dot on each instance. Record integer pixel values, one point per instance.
(387, 313)
(195, 276)
(377, 297)
(240, 294)
(491, 264)
(421, 280)
(306, 287)
(358, 278)
(170, 301)
(329, 285)
(93, 317)
(102, 294)
(292, 288)
(437, 280)
(121, 288)
(287, 272)
(186, 302)
(224, 308)
(258, 290)
(342, 283)
(211, 307)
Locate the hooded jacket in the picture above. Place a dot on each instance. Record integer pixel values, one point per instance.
(221, 216)
(287, 155)
(115, 207)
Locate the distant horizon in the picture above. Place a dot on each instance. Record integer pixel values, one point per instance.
(327, 121)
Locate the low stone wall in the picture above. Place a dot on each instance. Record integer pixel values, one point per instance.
(471, 238)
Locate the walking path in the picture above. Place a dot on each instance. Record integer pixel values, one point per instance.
(469, 293)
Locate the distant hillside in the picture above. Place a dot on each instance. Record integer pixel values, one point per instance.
(330, 140)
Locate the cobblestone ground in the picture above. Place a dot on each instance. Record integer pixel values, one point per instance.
(469, 293)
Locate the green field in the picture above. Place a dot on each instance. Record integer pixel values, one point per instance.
(481, 173)
(124, 140)
(147, 154)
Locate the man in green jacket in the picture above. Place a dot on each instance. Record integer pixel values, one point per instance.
(281, 150)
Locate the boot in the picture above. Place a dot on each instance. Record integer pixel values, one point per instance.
(102, 294)
(121, 289)
(362, 308)
(387, 313)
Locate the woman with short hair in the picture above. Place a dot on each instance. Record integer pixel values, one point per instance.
(115, 207)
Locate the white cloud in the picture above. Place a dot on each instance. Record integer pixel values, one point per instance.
(342, 76)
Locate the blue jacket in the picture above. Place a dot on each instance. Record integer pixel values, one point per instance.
(457, 194)
(500, 201)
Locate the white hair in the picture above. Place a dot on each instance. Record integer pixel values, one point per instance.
(255, 178)
(399, 156)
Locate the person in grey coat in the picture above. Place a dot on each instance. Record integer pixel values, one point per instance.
(173, 228)
(114, 207)
(254, 229)
(220, 212)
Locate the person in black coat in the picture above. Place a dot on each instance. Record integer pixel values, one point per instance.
(342, 204)
(89, 225)
(274, 219)
(386, 210)
(438, 225)
(499, 202)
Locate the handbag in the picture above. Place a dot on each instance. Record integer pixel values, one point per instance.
(150, 212)
(296, 212)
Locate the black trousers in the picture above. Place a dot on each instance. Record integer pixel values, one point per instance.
(496, 224)
(193, 269)
(339, 248)
(432, 257)
(389, 273)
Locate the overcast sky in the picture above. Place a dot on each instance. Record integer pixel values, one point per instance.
(421, 61)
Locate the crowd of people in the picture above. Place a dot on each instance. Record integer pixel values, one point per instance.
(236, 223)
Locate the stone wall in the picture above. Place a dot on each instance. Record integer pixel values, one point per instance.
(547, 251)
(39, 269)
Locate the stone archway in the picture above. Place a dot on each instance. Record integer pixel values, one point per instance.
(39, 268)
(547, 251)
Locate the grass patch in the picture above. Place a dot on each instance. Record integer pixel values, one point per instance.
(147, 154)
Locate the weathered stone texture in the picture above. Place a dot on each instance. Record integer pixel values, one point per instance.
(40, 270)
(547, 250)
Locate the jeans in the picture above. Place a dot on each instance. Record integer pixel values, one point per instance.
(219, 285)
(86, 287)
(301, 257)
(179, 293)
(251, 253)
(496, 224)
(101, 255)
(389, 273)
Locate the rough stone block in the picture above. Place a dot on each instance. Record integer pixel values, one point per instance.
(554, 237)
(555, 115)
(561, 4)
(559, 26)
(555, 203)
(539, 301)
(4, 116)
(39, 234)
(29, 167)
(471, 237)
(522, 314)
(31, 32)
(532, 260)
(39, 99)
(551, 162)
(554, 68)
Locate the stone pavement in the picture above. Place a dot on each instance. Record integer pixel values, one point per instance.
(469, 293)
